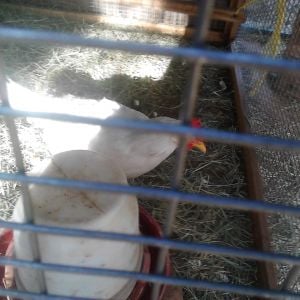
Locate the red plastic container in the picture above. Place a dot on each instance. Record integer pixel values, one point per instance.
(142, 290)
(150, 227)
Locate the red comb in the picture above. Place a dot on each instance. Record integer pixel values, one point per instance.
(196, 123)
(190, 145)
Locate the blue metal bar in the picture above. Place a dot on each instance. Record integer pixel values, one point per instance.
(157, 193)
(26, 204)
(189, 98)
(200, 284)
(156, 242)
(208, 134)
(37, 296)
(207, 56)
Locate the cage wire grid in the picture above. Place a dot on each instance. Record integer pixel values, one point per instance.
(198, 55)
(271, 101)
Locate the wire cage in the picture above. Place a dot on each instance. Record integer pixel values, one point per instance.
(266, 94)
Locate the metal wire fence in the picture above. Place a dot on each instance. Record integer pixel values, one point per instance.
(198, 55)
(272, 105)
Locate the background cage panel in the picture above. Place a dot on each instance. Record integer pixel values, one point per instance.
(272, 106)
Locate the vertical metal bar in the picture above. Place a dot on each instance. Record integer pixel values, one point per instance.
(205, 9)
(26, 201)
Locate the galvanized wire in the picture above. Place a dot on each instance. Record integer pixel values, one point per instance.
(155, 242)
(159, 194)
(25, 195)
(189, 97)
(221, 58)
(197, 54)
(202, 284)
(209, 134)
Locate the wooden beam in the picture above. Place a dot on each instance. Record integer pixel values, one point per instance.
(213, 36)
(235, 26)
(179, 7)
(262, 241)
(231, 29)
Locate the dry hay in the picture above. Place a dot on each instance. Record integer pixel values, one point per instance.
(153, 85)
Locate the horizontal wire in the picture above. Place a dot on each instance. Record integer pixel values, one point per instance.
(201, 284)
(24, 35)
(38, 296)
(156, 193)
(21, 35)
(156, 242)
(26, 202)
(208, 134)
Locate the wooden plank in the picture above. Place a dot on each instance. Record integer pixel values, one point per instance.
(218, 14)
(227, 29)
(262, 241)
(213, 36)
(231, 28)
(235, 26)
(187, 7)
(225, 35)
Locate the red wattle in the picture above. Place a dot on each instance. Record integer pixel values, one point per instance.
(196, 123)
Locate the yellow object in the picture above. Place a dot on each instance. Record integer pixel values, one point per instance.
(247, 3)
(198, 144)
(272, 47)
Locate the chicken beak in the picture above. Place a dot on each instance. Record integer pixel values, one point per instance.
(199, 145)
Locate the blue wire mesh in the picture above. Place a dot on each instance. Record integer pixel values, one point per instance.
(196, 54)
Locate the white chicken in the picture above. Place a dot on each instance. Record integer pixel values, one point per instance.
(135, 151)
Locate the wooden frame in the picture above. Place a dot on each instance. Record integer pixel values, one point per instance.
(266, 271)
(228, 20)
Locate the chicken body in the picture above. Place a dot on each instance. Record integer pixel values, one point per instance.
(135, 151)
